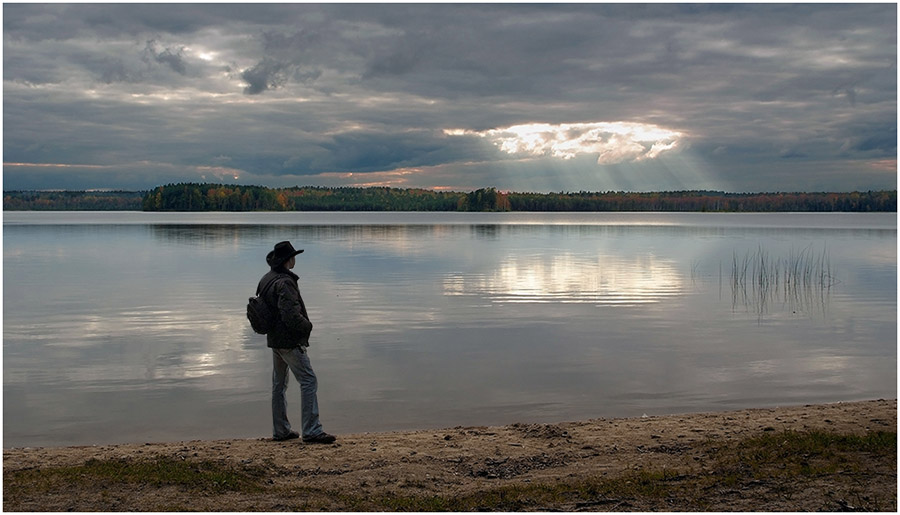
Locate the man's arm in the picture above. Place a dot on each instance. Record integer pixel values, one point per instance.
(289, 308)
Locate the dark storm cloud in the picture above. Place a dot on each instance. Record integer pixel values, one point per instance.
(367, 152)
(265, 75)
(763, 94)
(173, 59)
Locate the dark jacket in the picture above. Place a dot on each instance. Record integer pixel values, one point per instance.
(293, 326)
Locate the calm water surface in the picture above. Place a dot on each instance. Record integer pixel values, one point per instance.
(130, 327)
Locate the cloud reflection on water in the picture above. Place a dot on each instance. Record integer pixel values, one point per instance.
(571, 278)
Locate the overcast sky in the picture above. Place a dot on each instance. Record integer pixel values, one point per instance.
(523, 97)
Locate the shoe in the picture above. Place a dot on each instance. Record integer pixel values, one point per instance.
(289, 436)
(319, 438)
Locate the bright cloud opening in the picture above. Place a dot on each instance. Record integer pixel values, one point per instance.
(611, 142)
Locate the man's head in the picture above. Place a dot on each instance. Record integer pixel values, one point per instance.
(282, 254)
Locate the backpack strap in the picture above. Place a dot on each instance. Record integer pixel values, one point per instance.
(261, 292)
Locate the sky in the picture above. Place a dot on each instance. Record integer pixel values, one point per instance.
(521, 97)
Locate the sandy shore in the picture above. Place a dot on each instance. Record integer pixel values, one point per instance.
(453, 462)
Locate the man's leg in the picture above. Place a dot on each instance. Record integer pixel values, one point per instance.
(281, 427)
(300, 365)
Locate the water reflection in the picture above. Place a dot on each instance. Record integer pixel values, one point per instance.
(212, 236)
(572, 278)
(434, 324)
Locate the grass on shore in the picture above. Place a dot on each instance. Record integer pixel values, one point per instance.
(785, 459)
(160, 471)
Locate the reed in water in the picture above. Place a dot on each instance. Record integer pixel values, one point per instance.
(801, 280)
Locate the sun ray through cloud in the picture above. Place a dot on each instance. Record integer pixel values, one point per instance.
(749, 97)
(610, 142)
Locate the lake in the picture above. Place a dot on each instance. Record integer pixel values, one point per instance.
(130, 327)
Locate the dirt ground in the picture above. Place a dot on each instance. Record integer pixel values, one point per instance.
(466, 460)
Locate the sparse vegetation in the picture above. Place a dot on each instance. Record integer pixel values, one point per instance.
(774, 465)
(159, 471)
(788, 459)
(800, 280)
(799, 270)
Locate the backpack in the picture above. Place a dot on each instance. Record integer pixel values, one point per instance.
(262, 317)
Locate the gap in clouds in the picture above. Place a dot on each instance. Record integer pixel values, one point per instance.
(611, 142)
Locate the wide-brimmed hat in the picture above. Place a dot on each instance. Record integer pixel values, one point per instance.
(282, 252)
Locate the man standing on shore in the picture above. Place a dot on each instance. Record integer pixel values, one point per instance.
(289, 339)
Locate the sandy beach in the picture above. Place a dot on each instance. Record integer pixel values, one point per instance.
(469, 461)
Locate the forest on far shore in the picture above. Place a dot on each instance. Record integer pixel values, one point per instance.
(221, 197)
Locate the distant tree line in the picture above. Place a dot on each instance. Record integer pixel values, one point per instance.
(712, 201)
(219, 197)
(72, 200)
(485, 199)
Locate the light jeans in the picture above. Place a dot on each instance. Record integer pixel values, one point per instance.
(298, 361)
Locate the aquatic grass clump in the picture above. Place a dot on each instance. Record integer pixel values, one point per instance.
(801, 280)
(798, 270)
